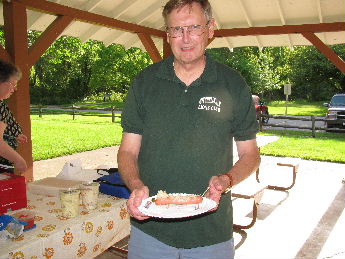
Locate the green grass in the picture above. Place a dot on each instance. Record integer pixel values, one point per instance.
(297, 108)
(324, 147)
(56, 135)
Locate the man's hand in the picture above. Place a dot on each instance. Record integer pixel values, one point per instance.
(134, 201)
(217, 184)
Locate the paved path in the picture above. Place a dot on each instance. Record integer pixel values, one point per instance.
(305, 222)
(96, 158)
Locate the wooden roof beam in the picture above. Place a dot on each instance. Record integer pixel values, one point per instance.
(327, 51)
(150, 47)
(47, 38)
(84, 16)
(284, 29)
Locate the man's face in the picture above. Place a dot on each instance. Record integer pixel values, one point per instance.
(189, 48)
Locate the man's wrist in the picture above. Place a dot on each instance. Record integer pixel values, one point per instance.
(230, 182)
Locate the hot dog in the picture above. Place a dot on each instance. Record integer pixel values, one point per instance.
(163, 198)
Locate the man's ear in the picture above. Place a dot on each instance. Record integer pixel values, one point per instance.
(168, 39)
(211, 27)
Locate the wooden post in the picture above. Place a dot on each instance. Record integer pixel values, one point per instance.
(73, 112)
(15, 30)
(40, 111)
(313, 125)
(260, 121)
(112, 113)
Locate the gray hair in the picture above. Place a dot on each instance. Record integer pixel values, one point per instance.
(8, 70)
(178, 4)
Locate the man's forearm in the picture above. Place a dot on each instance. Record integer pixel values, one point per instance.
(244, 167)
(128, 168)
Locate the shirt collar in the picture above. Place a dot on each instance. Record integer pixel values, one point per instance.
(166, 70)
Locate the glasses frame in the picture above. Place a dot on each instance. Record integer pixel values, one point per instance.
(12, 85)
(188, 28)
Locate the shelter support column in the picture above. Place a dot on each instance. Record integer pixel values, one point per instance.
(166, 48)
(150, 47)
(16, 47)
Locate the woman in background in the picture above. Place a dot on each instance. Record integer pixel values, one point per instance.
(10, 130)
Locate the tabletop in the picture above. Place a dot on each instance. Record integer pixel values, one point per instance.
(55, 236)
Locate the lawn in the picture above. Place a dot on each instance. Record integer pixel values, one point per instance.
(297, 108)
(324, 147)
(56, 134)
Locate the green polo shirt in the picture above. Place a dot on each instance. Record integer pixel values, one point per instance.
(187, 135)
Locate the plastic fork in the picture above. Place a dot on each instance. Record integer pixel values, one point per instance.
(205, 191)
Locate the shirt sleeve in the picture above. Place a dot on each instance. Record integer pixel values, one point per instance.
(246, 125)
(132, 115)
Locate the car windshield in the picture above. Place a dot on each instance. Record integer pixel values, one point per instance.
(338, 101)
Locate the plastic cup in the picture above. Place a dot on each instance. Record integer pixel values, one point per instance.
(89, 195)
(70, 203)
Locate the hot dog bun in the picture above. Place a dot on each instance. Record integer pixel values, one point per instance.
(163, 198)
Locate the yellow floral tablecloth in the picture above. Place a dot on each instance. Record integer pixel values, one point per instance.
(85, 236)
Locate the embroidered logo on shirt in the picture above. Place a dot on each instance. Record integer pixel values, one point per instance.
(209, 104)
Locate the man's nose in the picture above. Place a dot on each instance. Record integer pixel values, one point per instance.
(185, 35)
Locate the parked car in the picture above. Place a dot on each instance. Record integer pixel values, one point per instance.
(261, 108)
(335, 117)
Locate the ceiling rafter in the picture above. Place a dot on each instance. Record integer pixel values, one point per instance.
(56, 9)
(139, 19)
(219, 26)
(115, 13)
(319, 13)
(92, 4)
(283, 20)
(37, 16)
(249, 22)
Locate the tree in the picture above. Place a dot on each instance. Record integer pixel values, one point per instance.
(313, 76)
(259, 68)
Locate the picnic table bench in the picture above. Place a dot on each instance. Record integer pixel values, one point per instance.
(254, 190)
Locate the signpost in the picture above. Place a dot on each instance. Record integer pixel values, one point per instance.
(287, 92)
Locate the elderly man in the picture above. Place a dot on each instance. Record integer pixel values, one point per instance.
(180, 119)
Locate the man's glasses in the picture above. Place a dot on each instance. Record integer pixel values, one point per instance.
(193, 30)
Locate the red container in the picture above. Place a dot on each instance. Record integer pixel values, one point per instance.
(12, 192)
(26, 216)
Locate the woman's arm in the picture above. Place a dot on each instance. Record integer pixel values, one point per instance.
(9, 153)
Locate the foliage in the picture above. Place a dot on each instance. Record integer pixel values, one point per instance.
(264, 70)
(63, 73)
(71, 71)
(116, 67)
(313, 76)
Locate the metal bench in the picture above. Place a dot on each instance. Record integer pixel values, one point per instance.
(249, 190)
(294, 164)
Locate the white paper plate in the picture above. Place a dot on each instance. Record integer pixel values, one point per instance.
(175, 211)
